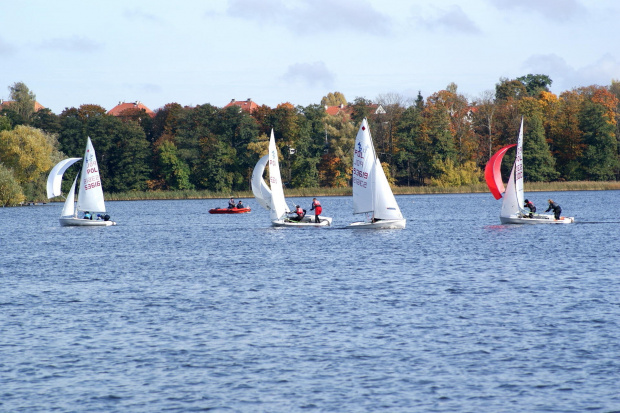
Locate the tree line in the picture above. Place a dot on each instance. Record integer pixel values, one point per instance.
(444, 139)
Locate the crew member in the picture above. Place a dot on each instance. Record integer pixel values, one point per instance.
(87, 215)
(240, 205)
(231, 203)
(530, 205)
(316, 207)
(557, 210)
(299, 213)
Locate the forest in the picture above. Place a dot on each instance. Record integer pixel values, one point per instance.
(442, 140)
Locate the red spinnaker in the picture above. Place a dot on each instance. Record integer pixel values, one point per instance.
(492, 172)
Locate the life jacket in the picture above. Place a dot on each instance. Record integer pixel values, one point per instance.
(316, 203)
(299, 211)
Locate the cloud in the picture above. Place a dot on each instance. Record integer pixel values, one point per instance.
(71, 44)
(313, 16)
(137, 14)
(453, 20)
(558, 10)
(6, 48)
(566, 77)
(312, 74)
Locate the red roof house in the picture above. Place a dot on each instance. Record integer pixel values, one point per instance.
(118, 109)
(245, 105)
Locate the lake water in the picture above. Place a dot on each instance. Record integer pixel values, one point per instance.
(178, 310)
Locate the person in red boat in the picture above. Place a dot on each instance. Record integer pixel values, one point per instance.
(240, 205)
(317, 208)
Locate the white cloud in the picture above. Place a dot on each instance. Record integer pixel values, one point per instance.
(558, 10)
(454, 19)
(6, 48)
(311, 74)
(566, 77)
(137, 14)
(71, 44)
(313, 16)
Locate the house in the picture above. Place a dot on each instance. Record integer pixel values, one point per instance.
(122, 106)
(5, 104)
(245, 105)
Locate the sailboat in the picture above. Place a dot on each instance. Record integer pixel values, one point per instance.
(90, 197)
(272, 198)
(372, 194)
(513, 211)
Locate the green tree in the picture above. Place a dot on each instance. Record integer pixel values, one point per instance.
(599, 159)
(173, 173)
(23, 101)
(11, 193)
(510, 89)
(534, 84)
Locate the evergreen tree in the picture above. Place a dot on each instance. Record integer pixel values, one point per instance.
(599, 160)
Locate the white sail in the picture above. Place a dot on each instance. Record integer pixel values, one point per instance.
(385, 203)
(55, 177)
(68, 210)
(278, 202)
(514, 199)
(261, 191)
(363, 163)
(90, 193)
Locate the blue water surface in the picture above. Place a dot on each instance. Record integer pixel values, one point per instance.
(178, 310)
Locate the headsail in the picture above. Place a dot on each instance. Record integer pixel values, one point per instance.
(492, 172)
(68, 210)
(55, 177)
(90, 193)
(385, 206)
(261, 191)
(278, 202)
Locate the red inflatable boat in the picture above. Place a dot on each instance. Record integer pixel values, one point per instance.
(229, 210)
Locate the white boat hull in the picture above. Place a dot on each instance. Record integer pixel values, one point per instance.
(382, 224)
(537, 219)
(307, 221)
(78, 222)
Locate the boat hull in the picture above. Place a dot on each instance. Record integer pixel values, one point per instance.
(537, 219)
(382, 224)
(307, 221)
(77, 222)
(230, 210)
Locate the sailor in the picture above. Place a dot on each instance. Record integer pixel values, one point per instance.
(240, 205)
(530, 205)
(299, 213)
(87, 215)
(231, 203)
(557, 210)
(316, 207)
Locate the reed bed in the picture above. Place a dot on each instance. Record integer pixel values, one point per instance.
(399, 190)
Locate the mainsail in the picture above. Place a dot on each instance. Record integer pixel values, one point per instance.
(90, 193)
(278, 202)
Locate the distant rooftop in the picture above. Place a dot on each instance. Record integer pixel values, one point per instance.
(118, 109)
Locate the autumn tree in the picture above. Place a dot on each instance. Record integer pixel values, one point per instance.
(27, 151)
(333, 99)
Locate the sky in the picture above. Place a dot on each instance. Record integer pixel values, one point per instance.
(194, 52)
